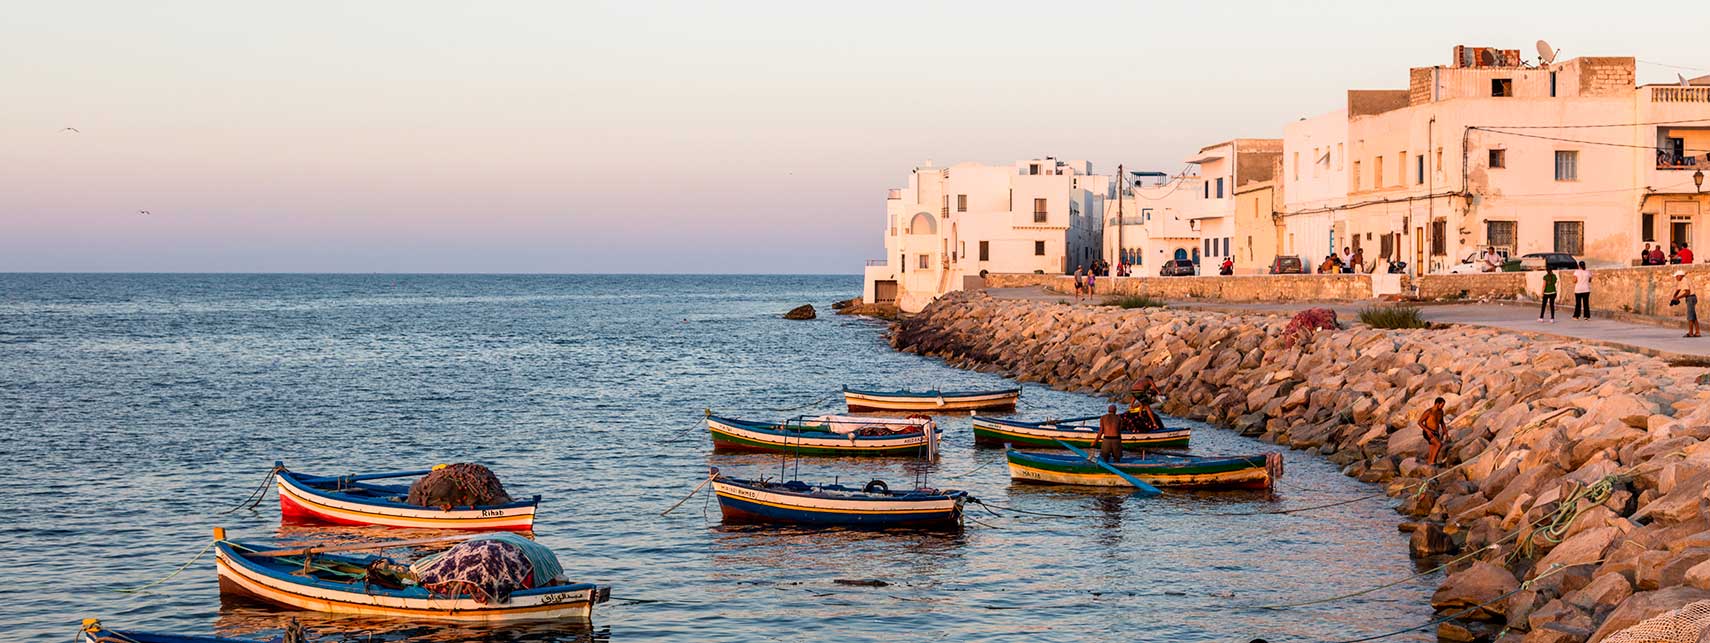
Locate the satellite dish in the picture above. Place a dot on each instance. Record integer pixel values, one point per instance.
(1546, 55)
(1488, 57)
(1683, 81)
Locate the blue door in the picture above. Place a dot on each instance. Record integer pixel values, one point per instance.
(1182, 254)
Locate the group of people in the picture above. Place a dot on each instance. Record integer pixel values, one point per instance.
(1085, 281)
(1351, 261)
(1653, 255)
(1140, 418)
(1581, 294)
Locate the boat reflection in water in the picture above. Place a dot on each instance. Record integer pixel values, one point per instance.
(246, 618)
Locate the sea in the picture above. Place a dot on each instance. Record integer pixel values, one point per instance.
(140, 411)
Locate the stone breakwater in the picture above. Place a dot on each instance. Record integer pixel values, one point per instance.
(1572, 500)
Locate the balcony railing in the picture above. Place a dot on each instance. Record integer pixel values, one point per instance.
(877, 263)
(1672, 161)
(1680, 94)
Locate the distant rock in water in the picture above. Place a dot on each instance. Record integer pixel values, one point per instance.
(804, 311)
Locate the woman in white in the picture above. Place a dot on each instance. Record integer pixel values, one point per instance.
(1582, 292)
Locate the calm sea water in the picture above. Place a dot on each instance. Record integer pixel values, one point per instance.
(137, 410)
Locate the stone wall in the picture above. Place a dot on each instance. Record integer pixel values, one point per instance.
(1643, 290)
(1487, 285)
(1231, 288)
(1581, 471)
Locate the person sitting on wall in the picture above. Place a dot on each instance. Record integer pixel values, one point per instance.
(1657, 256)
(1329, 265)
(1685, 253)
(1492, 261)
(1227, 267)
(1645, 255)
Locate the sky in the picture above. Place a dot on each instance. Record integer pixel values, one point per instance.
(653, 137)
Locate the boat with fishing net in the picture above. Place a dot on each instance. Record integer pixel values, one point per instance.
(94, 632)
(990, 430)
(454, 496)
(486, 577)
(1157, 469)
(864, 400)
(826, 435)
(873, 504)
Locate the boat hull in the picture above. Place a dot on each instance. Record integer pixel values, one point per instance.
(133, 636)
(242, 577)
(1036, 434)
(300, 502)
(1242, 472)
(738, 435)
(744, 503)
(930, 402)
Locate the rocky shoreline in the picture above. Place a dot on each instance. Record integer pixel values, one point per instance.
(1572, 500)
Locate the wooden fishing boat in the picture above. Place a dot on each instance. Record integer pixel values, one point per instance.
(1161, 470)
(990, 430)
(826, 435)
(357, 500)
(326, 582)
(871, 505)
(93, 632)
(860, 400)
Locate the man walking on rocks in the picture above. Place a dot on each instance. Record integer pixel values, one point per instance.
(1431, 422)
(1110, 436)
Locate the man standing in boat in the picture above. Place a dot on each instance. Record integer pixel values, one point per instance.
(1110, 436)
(1141, 396)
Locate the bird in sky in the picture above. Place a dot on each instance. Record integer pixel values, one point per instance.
(142, 212)
(72, 130)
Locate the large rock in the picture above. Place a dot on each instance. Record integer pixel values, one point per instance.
(1583, 549)
(804, 311)
(1474, 586)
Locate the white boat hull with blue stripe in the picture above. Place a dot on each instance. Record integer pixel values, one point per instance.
(860, 400)
(796, 502)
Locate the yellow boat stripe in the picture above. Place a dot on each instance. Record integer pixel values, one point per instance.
(828, 509)
(841, 445)
(240, 576)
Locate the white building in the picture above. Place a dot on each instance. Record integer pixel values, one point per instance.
(1154, 222)
(1223, 168)
(951, 223)
(1565, 157)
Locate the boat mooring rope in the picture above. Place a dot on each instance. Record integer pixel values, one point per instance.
(817, 402)
(988, 507)
(181, 568)
(260, 493)
(1558, 567)
(686, 498)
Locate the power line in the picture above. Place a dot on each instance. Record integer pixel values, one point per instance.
(1679, 122)
(1575, 140)
(1673, 66)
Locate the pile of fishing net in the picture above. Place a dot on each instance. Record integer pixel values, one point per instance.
(488, 568)
(1685, 625)
(458, 485)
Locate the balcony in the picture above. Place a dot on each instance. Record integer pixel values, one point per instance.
(877, 263)
(1683, 148)
(1680, 94)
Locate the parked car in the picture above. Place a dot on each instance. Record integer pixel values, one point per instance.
(1178, 268)
(1554, 260)
(1287, 266)
(1474, 263)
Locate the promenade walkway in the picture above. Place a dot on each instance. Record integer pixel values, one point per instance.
(1662, 341)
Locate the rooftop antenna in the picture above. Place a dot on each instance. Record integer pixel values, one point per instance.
(1546, 54)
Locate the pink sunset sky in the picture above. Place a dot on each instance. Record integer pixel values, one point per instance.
(582, 136)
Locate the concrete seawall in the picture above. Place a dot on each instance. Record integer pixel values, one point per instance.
(1572, 496)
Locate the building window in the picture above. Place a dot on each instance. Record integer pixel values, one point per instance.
(1033, 169)
(1039, 248)
(1570, 237)
(1356, 177)
(1220, 187)
(1401, 168)
(1377, 173)
(1498, 158)
(1500, 233)
(1207, 186)
(1227, 248)
(1419, 170)
(1439, 159)
(1552, 84)
(925, 262)
(1648, 227)
(1567, 165)
(985, 251)
(1502, 87)
(1039, 212)
(1439, 245)
(1297, 166)
(961, 203)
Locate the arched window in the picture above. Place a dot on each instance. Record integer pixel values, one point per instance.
(1180, 254)
(922, 223)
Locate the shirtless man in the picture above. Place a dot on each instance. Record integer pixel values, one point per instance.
(1431, 422)
(1141, 397)
(1110, 436)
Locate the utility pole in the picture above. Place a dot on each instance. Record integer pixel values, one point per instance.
(1121, 251)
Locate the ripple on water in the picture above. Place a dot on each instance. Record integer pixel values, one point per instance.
(142, 408)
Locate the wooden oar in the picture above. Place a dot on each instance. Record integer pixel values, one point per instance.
(1145, 489)
(318, 549)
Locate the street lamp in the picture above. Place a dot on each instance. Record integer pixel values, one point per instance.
(1698, 181)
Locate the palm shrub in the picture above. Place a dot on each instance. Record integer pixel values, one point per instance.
(1132, 301)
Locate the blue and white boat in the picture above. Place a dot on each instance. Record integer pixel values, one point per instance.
(871, 505)
(863, 400)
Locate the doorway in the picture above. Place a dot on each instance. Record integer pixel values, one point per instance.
(1419, 251)
(1680, 230)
